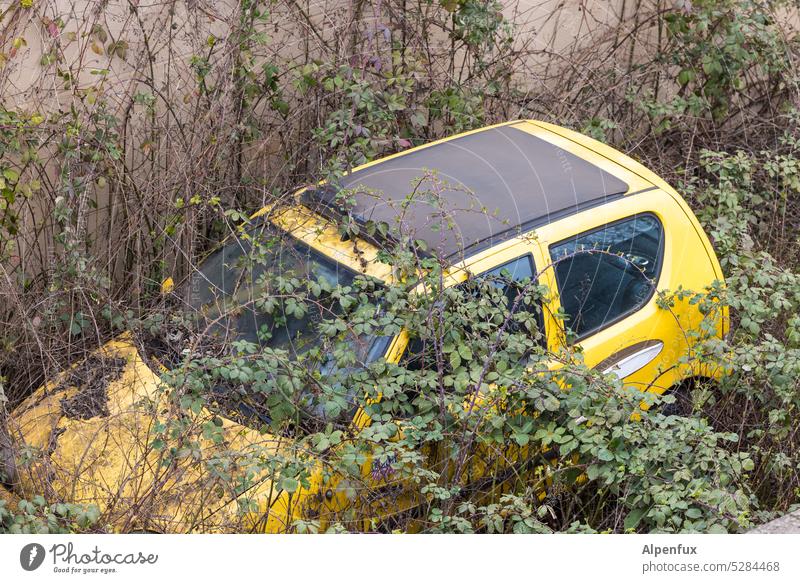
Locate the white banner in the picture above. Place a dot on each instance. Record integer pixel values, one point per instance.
(407, 558)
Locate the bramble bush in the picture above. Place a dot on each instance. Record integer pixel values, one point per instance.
(566, 448)
(103, 198)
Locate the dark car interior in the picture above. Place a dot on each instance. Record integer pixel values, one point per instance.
(607, 273)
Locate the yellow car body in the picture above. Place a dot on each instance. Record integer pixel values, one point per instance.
(70, 453)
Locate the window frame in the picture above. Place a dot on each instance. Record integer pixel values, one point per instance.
(656, 277)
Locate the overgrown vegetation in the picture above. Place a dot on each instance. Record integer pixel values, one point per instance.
(107, 187)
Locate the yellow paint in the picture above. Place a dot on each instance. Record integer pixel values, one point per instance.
(167, 285)
(110, 460)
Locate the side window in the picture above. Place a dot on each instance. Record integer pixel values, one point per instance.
(510, 277)
(609, 272)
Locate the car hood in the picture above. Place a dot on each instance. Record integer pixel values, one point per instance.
(94, 435)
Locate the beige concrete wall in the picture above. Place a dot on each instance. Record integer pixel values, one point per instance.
(66, 26)
(554, 29)
(116, 48)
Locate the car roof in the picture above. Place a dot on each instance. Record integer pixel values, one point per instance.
(473, 191)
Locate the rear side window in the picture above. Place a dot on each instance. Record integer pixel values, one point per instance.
(607, 273)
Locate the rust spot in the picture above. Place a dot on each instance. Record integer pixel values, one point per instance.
(91, 379)
(52, 442)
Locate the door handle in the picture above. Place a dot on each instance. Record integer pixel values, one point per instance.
(631, 359)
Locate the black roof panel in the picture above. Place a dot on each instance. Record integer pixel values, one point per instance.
(475, 190)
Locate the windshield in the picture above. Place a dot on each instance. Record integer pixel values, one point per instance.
(247, 290)
(268, 288)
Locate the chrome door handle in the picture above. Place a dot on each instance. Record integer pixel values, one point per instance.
(631, 359)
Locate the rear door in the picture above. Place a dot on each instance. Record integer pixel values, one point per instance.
(605, 269)
(510, 267)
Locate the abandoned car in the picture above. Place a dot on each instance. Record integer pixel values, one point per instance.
(556, 198)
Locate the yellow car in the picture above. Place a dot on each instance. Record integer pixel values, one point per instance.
(538, 201)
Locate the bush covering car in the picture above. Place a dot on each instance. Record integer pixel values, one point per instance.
(575, 239)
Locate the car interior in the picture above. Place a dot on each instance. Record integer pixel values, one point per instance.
(607, 273)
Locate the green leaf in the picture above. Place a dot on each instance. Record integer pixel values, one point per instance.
(694, 513)
(605, 455)
(686, 76)
(11, 175)
(634, 518)
(455, 360)
(522, 438)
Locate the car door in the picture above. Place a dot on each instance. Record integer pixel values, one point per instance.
(509, 265)
(509, 268)
(604, 277)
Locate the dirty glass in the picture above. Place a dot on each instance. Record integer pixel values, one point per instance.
(273, 290)
(607, 273)
(255, 287)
